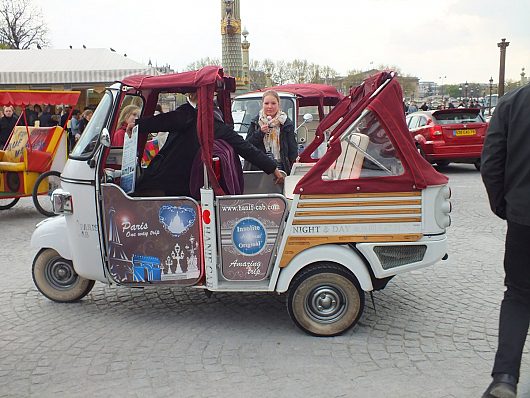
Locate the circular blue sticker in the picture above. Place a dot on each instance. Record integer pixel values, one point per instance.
(249, 236)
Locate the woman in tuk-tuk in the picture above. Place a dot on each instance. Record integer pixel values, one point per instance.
(272, 132)
(170, 170)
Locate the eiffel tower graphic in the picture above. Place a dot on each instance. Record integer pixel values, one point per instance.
(120, 265)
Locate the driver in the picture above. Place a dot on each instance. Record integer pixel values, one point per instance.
(169, 171)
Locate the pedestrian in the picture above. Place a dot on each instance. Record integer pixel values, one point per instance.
(7, 123)
(412, 107)
(46, 119)
(424, 107)
(506, 174)
(85, 118)
(74, 134)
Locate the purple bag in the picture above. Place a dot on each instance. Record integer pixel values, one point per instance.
(231, 171)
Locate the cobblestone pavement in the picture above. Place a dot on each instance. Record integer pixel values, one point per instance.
(433, 333)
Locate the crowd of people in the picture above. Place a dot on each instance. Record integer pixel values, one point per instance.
(44, 116)
(411, 106)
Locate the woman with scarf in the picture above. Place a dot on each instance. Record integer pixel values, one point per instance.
(272, 132)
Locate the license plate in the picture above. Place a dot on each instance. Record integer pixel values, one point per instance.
(460, 133)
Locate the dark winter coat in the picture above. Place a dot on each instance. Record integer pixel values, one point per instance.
(6, 126)
(505, 167)
(288, 145)
(170, 169)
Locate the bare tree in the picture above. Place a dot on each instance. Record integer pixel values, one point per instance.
(203, 62)
(21, 25)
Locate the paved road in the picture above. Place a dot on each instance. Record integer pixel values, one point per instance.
(433, 334)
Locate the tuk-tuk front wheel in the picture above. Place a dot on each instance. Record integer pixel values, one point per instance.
(325, 300)
(56, 278)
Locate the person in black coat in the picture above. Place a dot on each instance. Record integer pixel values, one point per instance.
(6, 124)
(169, 171)
(272, 132)
(506, 174)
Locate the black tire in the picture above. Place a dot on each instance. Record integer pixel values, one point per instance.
(325, 300)
(476, 163)
(8, 203)
(442, 163)
(56, 278)
(43, 201)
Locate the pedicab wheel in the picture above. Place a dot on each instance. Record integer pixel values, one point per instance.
(8, 203)
(56, 278)
(47, 182)
(325, 300)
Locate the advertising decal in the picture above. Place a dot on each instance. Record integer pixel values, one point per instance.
(151, 241)
(249, 230)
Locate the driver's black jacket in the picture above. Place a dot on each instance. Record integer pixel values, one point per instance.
(505, 166)
(170, 169)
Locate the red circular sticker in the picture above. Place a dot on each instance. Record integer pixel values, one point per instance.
(206, 216)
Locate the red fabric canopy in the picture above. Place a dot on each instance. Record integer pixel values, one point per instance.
(182, 82)
(310, 94)
(388, 106)
(26, 97)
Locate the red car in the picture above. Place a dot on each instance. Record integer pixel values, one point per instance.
(449, 135)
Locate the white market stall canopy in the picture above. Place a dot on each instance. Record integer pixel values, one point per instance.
(66, 66)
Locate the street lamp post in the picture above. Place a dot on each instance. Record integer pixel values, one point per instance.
(442, 89)
(465, 93)
(489, 100)
(460, 93)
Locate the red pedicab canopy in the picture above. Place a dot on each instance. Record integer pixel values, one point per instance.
(27, 97)
(206, 82)
(310, 94)
(387, 105)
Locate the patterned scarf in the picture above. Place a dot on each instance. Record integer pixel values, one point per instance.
(271, 140)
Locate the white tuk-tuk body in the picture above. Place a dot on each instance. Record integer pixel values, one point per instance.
(339, 226)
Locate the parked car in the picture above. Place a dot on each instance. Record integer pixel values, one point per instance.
(449, 135)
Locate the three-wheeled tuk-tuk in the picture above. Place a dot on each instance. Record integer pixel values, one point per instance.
(340, 226)
(33, 157)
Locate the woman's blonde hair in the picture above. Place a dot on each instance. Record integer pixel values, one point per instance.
(126, 112)
(87, 112)
(272, 93)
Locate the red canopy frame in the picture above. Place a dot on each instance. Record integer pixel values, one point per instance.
(382, 95)
(206, 82)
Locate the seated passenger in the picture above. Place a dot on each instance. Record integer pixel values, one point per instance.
(169, 171)
(128, 115)
(272, 132)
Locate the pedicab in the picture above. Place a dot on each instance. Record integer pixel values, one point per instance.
(342, 225)
(33, 157)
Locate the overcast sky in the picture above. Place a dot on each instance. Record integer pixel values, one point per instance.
(429, 39)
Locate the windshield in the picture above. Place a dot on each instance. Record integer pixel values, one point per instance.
(246, 109)
(461, 117)
(90, 137)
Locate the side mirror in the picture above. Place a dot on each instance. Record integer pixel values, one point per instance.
(307, 118)
(105, 138)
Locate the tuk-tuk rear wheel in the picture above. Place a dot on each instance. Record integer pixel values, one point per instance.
(325, 300)
(56, 278)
